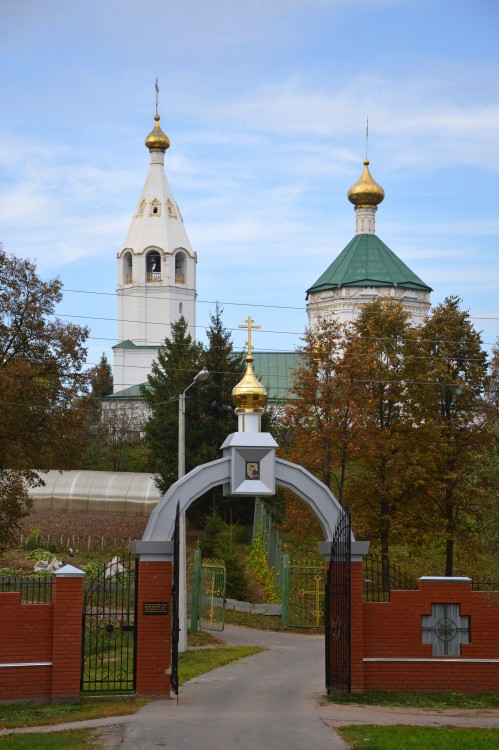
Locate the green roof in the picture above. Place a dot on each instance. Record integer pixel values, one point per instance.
(134, 391)
(130, 345)
(274, 369)
(368, 262)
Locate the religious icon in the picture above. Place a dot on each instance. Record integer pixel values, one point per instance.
(252, 469)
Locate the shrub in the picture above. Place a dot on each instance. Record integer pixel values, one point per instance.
(41, 554)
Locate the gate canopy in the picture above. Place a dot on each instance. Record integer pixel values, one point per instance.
(203, 478)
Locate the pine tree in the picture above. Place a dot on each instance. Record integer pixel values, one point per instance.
(225, 367)
(101, 378)
(178, 361)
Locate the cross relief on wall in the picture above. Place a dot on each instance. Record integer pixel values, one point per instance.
(446, 629)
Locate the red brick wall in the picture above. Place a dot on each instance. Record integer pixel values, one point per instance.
(26, 636)
(153, 631)
(392, 630)
(33, 633)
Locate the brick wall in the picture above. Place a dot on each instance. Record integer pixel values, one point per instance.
(40, 645)
(395, 658)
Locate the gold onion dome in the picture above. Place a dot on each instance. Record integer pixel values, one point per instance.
(249, 395)
(366, 191)
(157, 140)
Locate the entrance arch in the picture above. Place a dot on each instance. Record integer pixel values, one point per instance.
(203, 478)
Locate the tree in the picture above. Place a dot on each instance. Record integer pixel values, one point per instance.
(225, 367)
(457, 368)
(388, 475)
(101, 378)
(318, 417)
(42, 386)
(178, 361)
(214, 396)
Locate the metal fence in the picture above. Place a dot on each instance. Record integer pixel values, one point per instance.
(33, 589)
(484, 583)
(381, 576)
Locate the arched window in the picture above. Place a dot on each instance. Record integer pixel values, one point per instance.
(153, 266)
(180, 309)
(155, 209)
(180, 263)
(127, 268)
(141, 208)
(171, 209)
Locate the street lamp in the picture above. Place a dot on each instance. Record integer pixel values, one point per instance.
(182, 598)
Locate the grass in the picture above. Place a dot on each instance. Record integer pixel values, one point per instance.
(81, 739)
(193, 663)
(41, 714)
(265, 622)
(370, 737)
(430, 701)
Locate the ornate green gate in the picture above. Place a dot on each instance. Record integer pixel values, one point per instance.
(108, 644)
(304, 591)
(212, 595)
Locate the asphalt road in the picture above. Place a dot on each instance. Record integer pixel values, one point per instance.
(266, 701)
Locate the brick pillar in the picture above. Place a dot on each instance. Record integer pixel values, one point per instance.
(153, 625)
(67, 602)
(357, 552)
(356, 628)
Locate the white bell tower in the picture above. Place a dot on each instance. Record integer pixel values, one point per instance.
(156, 273)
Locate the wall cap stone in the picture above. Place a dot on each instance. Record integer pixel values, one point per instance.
(69, 571)
(445, 579)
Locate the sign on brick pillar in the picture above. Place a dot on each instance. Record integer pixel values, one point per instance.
(67, 602)
(153, 617)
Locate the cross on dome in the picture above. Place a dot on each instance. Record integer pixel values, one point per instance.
(249, 327)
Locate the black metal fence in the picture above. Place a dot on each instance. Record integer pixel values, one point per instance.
(381, 576)
(484, 583)
(33, 590)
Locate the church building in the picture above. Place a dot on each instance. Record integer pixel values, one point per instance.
(157, 280)
(156, 273)
(366, 268)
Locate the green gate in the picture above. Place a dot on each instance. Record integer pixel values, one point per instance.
(303, 595)
(108, 644)
(208, 594)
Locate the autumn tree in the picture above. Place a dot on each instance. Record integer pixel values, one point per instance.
(42, 387)
(457, 373)
(388, 476)
(317, 420)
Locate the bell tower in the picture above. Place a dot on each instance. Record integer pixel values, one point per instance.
(156, 272)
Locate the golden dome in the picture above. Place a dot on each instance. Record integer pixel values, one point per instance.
(249, 395)
(366, 192)
(157, 140)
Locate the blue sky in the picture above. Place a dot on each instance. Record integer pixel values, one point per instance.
(265, 104)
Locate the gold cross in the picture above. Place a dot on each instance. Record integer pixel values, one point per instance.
(249, 327)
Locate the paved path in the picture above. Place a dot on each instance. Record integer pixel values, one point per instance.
(267, 701)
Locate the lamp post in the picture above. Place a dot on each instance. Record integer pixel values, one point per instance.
(182, 599)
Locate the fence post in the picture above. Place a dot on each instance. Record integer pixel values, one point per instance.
(196, 579)
(67, 601)
(285, 588)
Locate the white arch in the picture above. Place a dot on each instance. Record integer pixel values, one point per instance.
(201, 479)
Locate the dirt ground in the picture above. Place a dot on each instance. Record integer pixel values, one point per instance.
(84, 525)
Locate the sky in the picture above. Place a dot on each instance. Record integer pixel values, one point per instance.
(265, 103)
